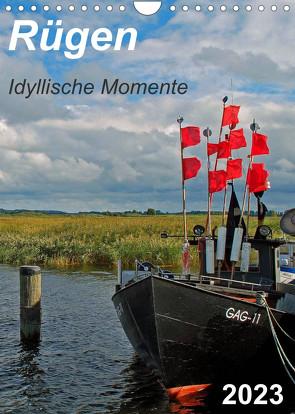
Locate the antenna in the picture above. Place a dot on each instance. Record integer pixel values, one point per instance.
(207, 133)
(232, 92)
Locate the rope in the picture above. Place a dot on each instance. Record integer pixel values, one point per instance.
(290, 337)
(280, 350)
(279, 345)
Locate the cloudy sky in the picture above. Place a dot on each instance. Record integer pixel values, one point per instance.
(121, 152)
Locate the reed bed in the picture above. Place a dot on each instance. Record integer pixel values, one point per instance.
(99, 240)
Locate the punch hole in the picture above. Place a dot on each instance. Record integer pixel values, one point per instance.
(223, 8)
(198, 8)
(210, 8)
(46, 8)
(109, 8)
(248, 8)
(84, 8)
(58, 8)
(72, 8)
(96, 8)
(172, 8)
(8, 8)
(122, 8)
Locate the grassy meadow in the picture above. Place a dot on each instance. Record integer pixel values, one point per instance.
(63, 240)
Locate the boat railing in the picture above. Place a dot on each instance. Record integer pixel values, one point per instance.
(230, 282)
(208, 279)
(142, 271)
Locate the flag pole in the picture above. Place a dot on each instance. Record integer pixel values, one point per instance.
(246, 185)
(207, 133)
(225, 194)
(254, 128)
(234, 256)
(180, 120)
(185, 244)
(224, 204)
(222, 231)
(238, 236)
(224, 100)
(248, 207)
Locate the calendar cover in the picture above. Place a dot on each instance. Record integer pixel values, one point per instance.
(149, 109)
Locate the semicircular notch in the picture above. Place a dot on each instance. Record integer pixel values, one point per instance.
(147, 8)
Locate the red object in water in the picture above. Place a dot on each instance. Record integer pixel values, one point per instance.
(188, 395)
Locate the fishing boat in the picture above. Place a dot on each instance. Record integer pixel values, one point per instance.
(233, 322)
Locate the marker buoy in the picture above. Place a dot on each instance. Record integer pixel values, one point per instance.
(237, 242)
(210, 268)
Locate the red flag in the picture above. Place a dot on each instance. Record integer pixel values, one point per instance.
(230, 115)
(257, 178)
(223, 150)
(190, 136)
(237, 139)
(217, 181)
(191, 167)
(212, 148)
(259, 144)
(234, 169)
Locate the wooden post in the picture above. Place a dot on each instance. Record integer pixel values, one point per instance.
(119, 276)
(30, 303)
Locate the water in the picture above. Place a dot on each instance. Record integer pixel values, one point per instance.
(84, 363)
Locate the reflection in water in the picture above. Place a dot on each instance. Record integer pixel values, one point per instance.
(28, 367)
(141, 390)
(143, 393)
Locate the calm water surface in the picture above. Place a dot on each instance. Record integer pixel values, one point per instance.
(84, 363)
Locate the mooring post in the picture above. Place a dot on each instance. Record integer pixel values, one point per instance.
(30, 303)
(119, 275)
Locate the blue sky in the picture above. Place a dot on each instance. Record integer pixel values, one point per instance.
(121, 152)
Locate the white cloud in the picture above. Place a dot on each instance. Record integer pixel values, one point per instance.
(118, 152)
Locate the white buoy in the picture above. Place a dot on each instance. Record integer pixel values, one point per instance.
(220, 251)
(237, 242)
(210, 268)
(245, 257)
